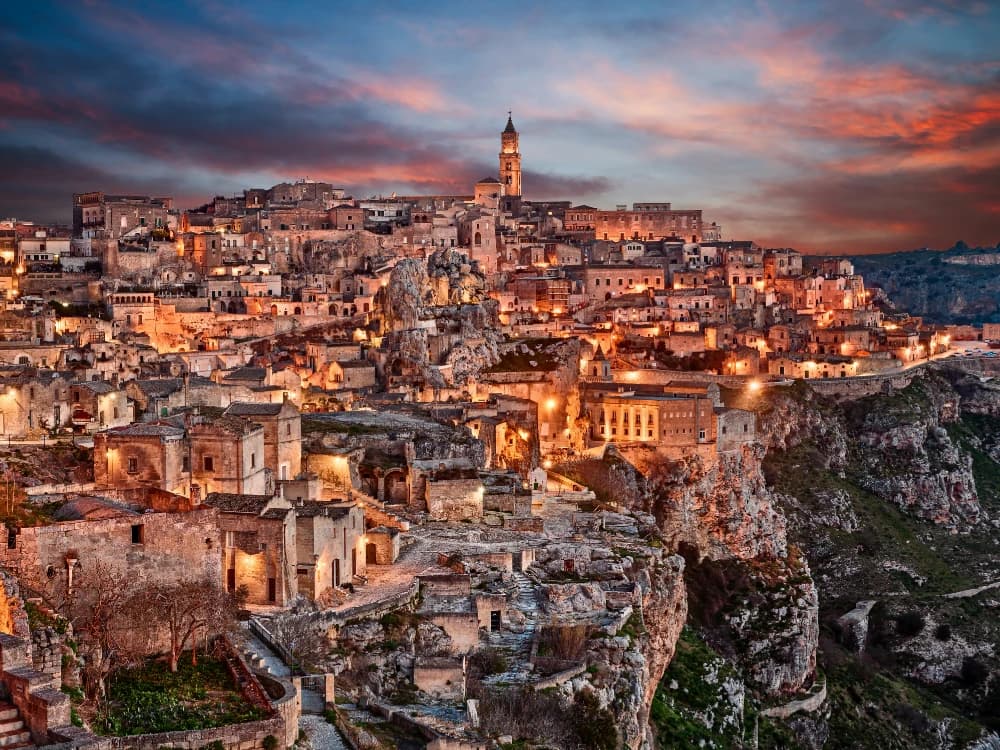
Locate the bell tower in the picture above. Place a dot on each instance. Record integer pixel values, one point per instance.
(510, 160)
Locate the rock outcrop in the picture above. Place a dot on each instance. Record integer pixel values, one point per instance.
(908, 457)
(722, 507)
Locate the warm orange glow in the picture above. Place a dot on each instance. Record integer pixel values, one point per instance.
(753, 386)
(551, 403)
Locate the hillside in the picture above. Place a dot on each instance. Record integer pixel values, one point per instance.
(959, 285)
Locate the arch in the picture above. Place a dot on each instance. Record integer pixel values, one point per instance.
(274, 310)
(333, 310)
(298, 311)
(478, 239)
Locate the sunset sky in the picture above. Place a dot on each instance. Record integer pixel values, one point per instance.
(838, 127)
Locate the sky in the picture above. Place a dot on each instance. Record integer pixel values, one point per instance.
(842, 127)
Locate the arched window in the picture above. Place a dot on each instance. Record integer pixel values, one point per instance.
(478, 239)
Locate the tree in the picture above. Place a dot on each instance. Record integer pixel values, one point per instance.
(97, 607)
(186, 610)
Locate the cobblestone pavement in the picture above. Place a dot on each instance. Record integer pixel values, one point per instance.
(320, 734)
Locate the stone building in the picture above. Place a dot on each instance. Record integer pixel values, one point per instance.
(649, 415)
(157, 548)
(510, 167)
(155, 454)
(218, 455)
(257, 533)
(330, 547)
(227, 455)
(100, 216)
(282, 425)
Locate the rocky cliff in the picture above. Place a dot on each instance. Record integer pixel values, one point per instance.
(893, 499)
(959, 285)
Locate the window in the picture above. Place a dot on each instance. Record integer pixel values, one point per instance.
(133, 465)
(137, 533)
(209, 463)
(229, 539)
(253, 460)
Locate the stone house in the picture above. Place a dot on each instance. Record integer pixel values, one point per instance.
(217, 455)
(282, 425)
(351, 375)
(152, 454)
(98, 405)
(257, 533)
(227, 455)
(453, 491)
(329, 544)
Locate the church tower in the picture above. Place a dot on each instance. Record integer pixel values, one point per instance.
(510, 160)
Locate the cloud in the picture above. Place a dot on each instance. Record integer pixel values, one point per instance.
(715, 106)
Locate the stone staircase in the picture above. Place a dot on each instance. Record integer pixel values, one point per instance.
(518, 644)
(13, 733)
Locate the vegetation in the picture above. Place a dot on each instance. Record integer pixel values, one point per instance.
(548, 719)
(149, 698)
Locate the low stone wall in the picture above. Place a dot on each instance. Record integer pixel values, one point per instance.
(441, 677)
(59, 489)
(862, 385)
(810, 703)
(461, 627)
(554, 680)
(533, 524)
(249, 736)
(375, 609)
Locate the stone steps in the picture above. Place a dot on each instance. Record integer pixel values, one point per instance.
(13, 733)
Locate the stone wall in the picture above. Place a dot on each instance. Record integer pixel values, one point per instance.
(486, 604)
(441, 677)
(444, 584)
(13, 618)
(461, 627)
(36, 695)
(386, 544)
(454, 499)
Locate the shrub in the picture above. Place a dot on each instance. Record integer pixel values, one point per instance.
(943, 632)
(974, 672)
(563, 641)
(487, 661)
(910, 623)
(595, 726)
(270, 742)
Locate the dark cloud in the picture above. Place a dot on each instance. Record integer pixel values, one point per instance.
(886, 212)
(541, 186)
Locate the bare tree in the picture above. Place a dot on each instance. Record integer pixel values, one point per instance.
(97, 607)
(187, 610)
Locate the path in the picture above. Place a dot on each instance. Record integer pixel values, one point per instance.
(518, 644)
(965, 594)
(311, 721)
(322, 734)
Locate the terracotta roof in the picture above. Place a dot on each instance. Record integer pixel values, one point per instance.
(229, 502)
(148, 429)
(249, 409)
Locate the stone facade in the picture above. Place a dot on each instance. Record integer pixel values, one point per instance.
(282, 425)
(441, 677)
